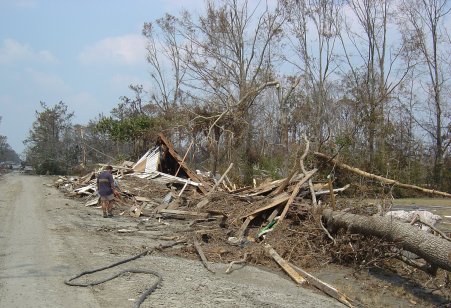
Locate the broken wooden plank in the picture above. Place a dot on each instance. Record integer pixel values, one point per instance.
(323, 286)
(295, 192)
(135, 211)
(275, 201)
(142, 199)
(202, 256)
(185, 213)
(184, 157)
(220, 180)
(323, 192)
(88, 190)
(284, 265)
(184, 187)
(242, 230)
(87, 178)
(273, 215)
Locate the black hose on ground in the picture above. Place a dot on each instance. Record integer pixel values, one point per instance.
(143, 296)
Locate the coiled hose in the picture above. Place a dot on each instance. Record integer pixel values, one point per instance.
(145, 294)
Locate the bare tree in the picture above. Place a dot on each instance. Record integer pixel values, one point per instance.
(374, 69)
(426, 35)
(230, 53)
(165, 55)
(313, 29)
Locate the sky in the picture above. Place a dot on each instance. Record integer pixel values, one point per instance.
(84, 53)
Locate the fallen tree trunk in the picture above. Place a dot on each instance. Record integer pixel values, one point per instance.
(431, 248)
(378, 177)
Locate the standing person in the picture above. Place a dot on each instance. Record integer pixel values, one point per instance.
(105, 187)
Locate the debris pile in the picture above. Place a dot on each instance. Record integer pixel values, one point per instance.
(278, 222)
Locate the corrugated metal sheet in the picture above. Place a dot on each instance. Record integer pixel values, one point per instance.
(152, 161)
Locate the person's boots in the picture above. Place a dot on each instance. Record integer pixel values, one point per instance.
(104, 209)
(110, 210)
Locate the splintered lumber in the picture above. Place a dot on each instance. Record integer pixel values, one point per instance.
(86, 190)
(322, 192)
(326, 288)
(281, 198)
(184, 157)
(221, 179)
(183, 189)
(273, 215)
(433, 249)
(284, 265)
(202, 256)
(184, 213)
(295, 192)
(242, 230)
(379, 178)
(142, 199)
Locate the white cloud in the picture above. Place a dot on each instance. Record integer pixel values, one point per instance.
(47, 81)
(13, 51)
(127, 49)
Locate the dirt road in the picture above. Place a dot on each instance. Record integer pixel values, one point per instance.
(46, 238)
(33, 260)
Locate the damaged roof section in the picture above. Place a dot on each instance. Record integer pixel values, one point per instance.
(164, 164)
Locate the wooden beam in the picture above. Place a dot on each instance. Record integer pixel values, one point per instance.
(185, 213)
(295, 192)
(284, 265)
(326, 288)
(202, 256)
(184, 157)
(281, 198)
